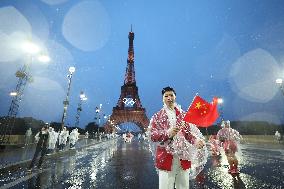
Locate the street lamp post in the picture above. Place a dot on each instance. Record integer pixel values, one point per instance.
(98, 115)
(220, 101)
(113, 125)
(66, 101)
(79, 109)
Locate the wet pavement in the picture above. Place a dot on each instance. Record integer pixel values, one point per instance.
(114, 164)
(23, 154)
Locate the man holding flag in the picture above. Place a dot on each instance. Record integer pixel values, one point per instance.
(178, 142)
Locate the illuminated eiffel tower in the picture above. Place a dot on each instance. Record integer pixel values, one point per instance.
(129, 107)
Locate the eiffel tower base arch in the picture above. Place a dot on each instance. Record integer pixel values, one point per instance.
(119, 116)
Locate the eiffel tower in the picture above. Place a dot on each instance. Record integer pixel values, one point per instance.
(129, 107)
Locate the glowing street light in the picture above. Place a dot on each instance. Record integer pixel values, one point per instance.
(220, 100)
(83, 96)
(66, 101)
(72, 69)
(98, 115)
(279, 81)
(13, 93)
(33, 49)
(30, 47)
(43, 58)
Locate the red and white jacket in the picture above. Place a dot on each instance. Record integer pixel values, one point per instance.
(159, 126)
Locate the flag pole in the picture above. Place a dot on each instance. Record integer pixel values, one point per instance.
(207, 130)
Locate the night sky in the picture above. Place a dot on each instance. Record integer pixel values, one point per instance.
(230, 49)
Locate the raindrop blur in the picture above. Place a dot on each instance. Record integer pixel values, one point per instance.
(252, 74)
(86, 26)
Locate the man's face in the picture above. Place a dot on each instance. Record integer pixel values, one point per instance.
(169, 98)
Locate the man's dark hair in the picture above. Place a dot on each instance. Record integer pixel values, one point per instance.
(168, 89)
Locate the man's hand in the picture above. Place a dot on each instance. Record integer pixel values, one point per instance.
(173, 131)
(182, 124)
(200, 144)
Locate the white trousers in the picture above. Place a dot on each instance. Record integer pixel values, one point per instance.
(177, 177)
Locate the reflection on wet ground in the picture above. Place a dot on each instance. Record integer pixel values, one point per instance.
(115, 164)
(16, 155)
(10, 156)
(260, 168)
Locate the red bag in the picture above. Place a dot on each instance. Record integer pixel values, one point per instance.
(163, 159)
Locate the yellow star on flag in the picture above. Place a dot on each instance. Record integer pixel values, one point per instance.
(198, 105)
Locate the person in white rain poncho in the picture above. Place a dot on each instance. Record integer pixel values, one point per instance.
(277, 136)
(230, 138)
(128, 137)
(53, 136)
(124, 137)
(62, 139)
(73, 137)
(178, 144)
(139, 136)
(86, 134)
(215, 145)
(28, 136)
(144, 136)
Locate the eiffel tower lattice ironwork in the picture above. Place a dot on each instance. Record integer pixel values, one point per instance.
(129, 107)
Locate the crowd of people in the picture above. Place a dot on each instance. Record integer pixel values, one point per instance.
(48, 139)
(55, 139)
(128, 137)
(142, 136)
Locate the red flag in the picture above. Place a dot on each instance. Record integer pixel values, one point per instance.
(201, 112)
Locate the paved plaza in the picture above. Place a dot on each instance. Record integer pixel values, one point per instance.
(114, 164)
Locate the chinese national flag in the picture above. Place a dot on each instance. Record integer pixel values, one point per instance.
(202, 113)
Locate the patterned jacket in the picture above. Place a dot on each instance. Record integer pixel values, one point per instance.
(159, 126)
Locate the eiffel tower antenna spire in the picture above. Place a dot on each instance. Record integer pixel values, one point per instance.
(130, 72)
